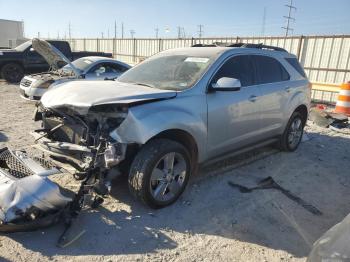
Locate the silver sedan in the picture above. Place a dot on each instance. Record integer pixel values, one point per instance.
(86, 68)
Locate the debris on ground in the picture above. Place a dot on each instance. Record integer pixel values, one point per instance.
(270, 183)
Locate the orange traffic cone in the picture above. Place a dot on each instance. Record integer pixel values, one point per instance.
(343, 103)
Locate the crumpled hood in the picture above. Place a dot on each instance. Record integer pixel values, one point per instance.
(81, 95)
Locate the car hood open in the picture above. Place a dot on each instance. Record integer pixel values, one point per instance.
(52, 55)
(81, 95)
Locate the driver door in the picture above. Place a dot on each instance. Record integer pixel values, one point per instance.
(233, 116)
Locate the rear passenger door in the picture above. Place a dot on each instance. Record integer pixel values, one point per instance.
(273, 80)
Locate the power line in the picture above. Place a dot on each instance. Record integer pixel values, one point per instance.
(200, 30)
(289, 18)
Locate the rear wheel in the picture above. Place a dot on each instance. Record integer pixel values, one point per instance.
(160, 172)
(12, 72)
(293, 133)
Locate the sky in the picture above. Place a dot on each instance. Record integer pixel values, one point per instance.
(92, 18)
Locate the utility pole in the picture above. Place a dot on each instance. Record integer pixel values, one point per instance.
(179, 32)
(115, 29)
(108, 33)
(102, 35)
(58, 34)
(38, 34)
(122, 30)
(289, 18)
(200, 30)
(69, 31)
(263, 22)
(157, 32)
(132, 33)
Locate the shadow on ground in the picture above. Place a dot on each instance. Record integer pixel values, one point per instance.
(210, 207)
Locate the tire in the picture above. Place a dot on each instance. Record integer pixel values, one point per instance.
(293, 133)
(12, 72)
(148, 179)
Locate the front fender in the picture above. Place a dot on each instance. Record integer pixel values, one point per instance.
(146, 121)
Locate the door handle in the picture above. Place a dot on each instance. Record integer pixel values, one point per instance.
(252, 98)
(288, 89)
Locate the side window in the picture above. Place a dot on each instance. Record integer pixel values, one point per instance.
(98, 69)
(294, 63)
(239, 67)
(115, 68)
(269, 70)
(119, 68)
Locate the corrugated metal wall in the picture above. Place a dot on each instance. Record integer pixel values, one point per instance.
(325, 58)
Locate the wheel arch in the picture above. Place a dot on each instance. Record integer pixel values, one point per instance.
(302, 109)
(184, 138)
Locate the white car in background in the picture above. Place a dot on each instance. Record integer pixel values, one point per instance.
(86, 68)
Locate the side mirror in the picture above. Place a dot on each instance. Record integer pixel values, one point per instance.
(227, 84)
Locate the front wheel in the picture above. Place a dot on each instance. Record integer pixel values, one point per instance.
(293, 133)
(160, 172)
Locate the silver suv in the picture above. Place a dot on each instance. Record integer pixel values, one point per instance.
(172, 112)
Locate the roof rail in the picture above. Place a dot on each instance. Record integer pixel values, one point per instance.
(243, 45)
(262, 46)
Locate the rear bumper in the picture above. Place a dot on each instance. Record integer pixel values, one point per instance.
(28, 198)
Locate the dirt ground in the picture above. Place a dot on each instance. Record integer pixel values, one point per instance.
(211, 221)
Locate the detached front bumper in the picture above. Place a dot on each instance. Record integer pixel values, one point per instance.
(28, 198)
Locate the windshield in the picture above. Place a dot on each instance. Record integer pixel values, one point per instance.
(175, 72)
(24, 46)
(82, 64)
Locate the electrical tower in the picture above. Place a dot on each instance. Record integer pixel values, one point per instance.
(289, 18)
(200, 30)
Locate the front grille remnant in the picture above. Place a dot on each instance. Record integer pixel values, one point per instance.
(26, 82)
(13, 166)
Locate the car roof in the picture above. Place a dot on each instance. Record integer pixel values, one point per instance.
(215, 51)
(98, 58)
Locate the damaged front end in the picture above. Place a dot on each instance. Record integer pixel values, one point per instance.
(71, 142)
(79, 141)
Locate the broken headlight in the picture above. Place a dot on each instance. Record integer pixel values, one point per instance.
(110, 116)
(114, 154)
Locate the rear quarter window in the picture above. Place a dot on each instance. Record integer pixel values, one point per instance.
(294, 63)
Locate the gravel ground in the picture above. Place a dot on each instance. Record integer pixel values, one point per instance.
(211, 221)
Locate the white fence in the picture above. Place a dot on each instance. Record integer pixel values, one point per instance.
(325, 58)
